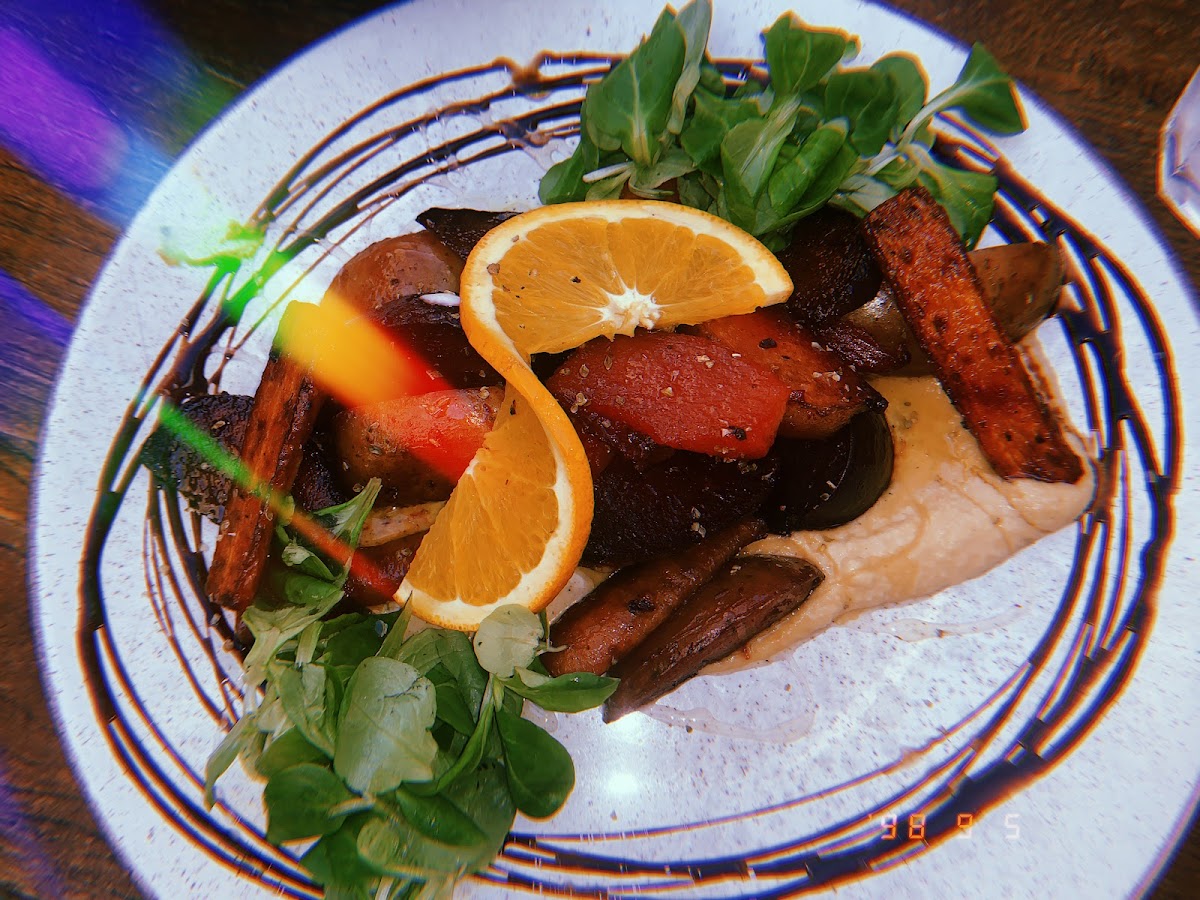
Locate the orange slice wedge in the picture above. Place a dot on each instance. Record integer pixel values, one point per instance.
(543, 282)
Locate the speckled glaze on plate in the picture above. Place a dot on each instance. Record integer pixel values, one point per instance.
(1043, 745)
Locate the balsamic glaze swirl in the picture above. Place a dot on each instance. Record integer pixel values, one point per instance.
(1039, 715)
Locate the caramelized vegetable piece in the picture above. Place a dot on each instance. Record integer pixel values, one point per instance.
(603, 438)
(598, 451)
(177, 465)
(623, 610)
(282, 418)
(830, 266)
(418, 446)
(939, 293)
(404, 266)
(863, 350)
(461, 229)
(317, 485)
(376, 572)
(751, 594)
(823, 484)
(1021, 284)
(670, 505)
(434, 333)
(824, 392)
(680, 390)
(385, 524)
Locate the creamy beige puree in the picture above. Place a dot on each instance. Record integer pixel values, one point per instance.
(946, 518)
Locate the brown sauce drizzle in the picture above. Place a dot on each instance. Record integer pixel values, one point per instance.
(1105, 614)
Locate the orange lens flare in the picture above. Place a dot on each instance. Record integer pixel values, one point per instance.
(354, 359)
(360, 363)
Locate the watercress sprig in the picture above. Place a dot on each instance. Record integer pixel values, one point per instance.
(402, 758)
(768, 152)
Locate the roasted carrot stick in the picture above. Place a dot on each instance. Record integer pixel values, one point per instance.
(939, 293)
(749, 594)
(624, 609)
(285, 409)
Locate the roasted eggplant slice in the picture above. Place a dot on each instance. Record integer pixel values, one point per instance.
(750, 594)
(823, 484)
(640, 514)
(461, 229)
(937, 289)
(624, 609)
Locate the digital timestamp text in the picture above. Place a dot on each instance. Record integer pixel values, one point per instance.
(912, 828)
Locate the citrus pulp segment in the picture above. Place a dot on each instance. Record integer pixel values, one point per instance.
(512, 525)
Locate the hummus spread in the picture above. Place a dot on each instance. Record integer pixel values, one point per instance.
(946, 518)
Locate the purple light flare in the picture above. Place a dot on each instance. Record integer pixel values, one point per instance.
(53, 123)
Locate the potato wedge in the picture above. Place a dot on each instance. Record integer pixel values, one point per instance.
(403, 266)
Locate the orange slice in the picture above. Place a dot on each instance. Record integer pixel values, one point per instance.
(543, 282)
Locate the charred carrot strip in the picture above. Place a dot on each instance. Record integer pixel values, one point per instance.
(285, 409)
(623, 610)
(939, 293)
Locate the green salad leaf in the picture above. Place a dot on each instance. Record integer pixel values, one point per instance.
(908, 85)
(403, 755)
(569, 693)
(291, 748)
(767, 152)
(799, 57)
(301, 802)
(630, 108)
(383, 728)
(539, 768)
(694, 20)
(508, 638)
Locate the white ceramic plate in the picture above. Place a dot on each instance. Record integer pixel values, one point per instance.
(1047, 750)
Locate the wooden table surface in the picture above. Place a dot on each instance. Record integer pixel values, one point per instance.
(162, 69)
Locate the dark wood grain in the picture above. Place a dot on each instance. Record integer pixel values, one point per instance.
(1112, 68)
